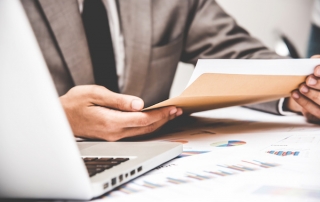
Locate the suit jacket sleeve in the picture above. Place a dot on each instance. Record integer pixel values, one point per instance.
(212, 33)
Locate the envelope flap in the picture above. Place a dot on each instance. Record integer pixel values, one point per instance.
(212, 84)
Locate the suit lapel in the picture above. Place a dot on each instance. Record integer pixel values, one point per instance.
(135, 17)
(65, 21)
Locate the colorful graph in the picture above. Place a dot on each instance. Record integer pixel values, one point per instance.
(217, 171)
(261, 164)
(284, 153)
(176, 181)
(220, 173)
(128, 190)
(238, 167)
(151, 185)
(228, 143)
(198, 176)
(191, 153)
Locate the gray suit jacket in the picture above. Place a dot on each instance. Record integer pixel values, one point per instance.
(157, 34)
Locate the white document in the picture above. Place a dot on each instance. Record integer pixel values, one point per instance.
(245, 178)
(293, 67)
(211, 170)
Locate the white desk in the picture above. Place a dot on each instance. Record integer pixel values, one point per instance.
(211, 171)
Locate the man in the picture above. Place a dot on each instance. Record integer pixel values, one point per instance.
(133, 48)
(314, 42)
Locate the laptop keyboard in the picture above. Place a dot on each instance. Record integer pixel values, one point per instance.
(98, 165)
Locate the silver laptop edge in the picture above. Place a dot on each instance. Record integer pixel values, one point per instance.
(38, 153)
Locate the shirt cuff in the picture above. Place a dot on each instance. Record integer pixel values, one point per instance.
(281, 111)
(79, 139)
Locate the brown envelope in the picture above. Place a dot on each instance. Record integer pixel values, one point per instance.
(212, 91)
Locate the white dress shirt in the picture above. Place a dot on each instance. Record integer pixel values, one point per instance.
(116, 35)
(281, 111)
(316, 13)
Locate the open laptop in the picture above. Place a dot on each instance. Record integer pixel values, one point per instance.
(39, 157)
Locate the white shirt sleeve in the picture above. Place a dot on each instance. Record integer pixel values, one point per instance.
(282, 112)
(316, 13)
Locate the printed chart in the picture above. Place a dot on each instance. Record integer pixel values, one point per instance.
(217, 171)
(284, 153)
(229, 143)
(191, 153)
(297, 146)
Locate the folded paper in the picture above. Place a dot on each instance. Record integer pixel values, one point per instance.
(223, 83)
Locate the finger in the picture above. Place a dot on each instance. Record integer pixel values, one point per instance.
(103, 97)
(310, 93)
(120, 133)
(313, 82)
(130, 132)
(315, 56)
(291, 105)
(317, 71)
(179, 112)
(310, 118)
(306, 103)
(140, 119)
(112, 123)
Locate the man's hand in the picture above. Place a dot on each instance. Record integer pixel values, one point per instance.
(95, 112)
(306, 99)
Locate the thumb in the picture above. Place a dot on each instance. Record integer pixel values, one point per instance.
(103, 97)
(315, 56)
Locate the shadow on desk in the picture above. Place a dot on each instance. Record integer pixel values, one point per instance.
(223, 127)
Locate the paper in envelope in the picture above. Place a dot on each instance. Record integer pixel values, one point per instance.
(217, 83)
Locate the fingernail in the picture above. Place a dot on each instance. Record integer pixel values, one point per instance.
(312, 81)
(179, 112)
(173, 111)
(317, 72)
(304, 89)
(295, 95)
(136, 104)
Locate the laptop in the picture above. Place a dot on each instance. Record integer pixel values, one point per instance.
(39, 156)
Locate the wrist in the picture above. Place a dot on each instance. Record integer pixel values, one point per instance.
(291, 105)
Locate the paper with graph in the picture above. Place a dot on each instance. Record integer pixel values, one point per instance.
(228, 156)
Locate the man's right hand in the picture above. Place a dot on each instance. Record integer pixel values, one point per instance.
(97, 113)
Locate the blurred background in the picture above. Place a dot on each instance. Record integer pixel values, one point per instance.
(266, 20)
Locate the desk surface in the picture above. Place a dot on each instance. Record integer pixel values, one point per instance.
(234, 154)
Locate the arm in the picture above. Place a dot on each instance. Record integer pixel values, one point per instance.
(97, 113)
(306, 99)
(212, 33)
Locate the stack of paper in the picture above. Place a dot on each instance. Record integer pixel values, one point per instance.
(230, 157)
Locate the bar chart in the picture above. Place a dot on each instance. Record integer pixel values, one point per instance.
(216, 171)
(228, 143)
(284, 153)
(176, 181)
(191, 153)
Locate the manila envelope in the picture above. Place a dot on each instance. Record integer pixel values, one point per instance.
(212, 91)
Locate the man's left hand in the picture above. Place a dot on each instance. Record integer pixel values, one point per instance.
(306, 99)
